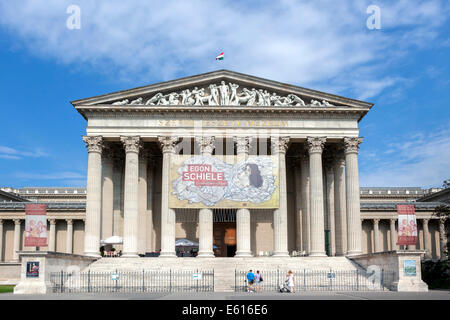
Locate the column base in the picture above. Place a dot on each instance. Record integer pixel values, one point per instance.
(243, 254)
(167, 255)
(130, 255)
(281, 254)
(353, 253)
(317, 254)
(93, 254)
(206, 255)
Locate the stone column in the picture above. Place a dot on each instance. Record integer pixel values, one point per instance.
(443, 239)
(130, 207)
(315, 148)
(376, 235)
(107, 193)
(298, 204)
(1, 240)
(426, 239)
(243, 242)
(69, 236)
(205, 215)
(92, 227)
(17, 235)
(393, 235)
(340, 205)
(142, 205)
(306, 216)
(351, 146)
(167, 214)
(279, 147)
(330, 202)
(52, 236)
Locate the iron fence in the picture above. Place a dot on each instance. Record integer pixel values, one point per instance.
(318, 280)
(133, 281)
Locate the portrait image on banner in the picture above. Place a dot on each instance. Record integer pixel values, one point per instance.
(407, 225)
(212, 182)
(35, 225)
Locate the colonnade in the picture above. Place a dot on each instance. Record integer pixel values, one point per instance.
(51, 236)
(344, 189)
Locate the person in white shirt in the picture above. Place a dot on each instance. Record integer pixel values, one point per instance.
(291, 281)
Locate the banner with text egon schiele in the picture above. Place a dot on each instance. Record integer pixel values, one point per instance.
(223, 182)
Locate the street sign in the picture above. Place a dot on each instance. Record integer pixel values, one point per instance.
(197, 276)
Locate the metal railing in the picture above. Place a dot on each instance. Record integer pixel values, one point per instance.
(318, 280)
(133, 281)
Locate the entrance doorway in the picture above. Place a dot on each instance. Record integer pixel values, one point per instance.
(224, 239)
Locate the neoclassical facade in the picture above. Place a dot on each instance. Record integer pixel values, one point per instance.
(132, 135)
(212, 111)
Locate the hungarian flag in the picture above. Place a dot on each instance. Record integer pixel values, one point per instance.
(220, 56)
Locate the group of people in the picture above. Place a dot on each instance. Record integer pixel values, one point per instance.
(255, 282)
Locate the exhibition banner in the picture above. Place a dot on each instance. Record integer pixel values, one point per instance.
(35, 225)
(223, 182)
(407, 225)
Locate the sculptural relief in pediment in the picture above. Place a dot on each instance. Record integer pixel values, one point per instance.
(223, 94)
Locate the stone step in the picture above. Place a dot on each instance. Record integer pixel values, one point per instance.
(224, 268)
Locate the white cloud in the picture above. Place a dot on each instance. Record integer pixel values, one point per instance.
(14, 154)
(311, 43)
(420, 160)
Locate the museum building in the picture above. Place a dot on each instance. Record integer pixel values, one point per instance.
(134, 136)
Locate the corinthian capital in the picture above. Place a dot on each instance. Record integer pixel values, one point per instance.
(315, 144)
(206, 144)
(279, 144)
(131, 143)
(168, 143)
(242, 144)
(93, 143)
(351, 144)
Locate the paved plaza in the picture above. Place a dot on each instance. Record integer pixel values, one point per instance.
(431, 295)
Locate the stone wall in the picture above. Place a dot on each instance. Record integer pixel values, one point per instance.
(9, 273)
(48, 262)
(394, 261)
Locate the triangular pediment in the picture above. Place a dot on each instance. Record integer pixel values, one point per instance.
(222, 88)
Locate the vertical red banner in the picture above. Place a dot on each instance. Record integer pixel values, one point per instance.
(407, 225)
(35, 225)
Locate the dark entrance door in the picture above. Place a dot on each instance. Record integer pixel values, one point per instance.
(225, 239)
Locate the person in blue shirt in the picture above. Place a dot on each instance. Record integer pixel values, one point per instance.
(250, 281)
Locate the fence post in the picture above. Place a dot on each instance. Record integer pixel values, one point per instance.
(116, 281)
(143, 280)
(89, 280)
(278, 277)
(382, 279)
(170, 280)
(331, 281)
(62, 279)
(197, 281)
(304, 279)
(357, 280)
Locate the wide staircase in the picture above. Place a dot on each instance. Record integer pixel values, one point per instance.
(224, 268)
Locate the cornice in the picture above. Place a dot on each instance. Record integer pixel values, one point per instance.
(226, 111)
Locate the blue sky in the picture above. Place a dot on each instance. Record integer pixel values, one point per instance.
(403, 68)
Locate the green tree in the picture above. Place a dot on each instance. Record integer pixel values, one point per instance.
(443, 213)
